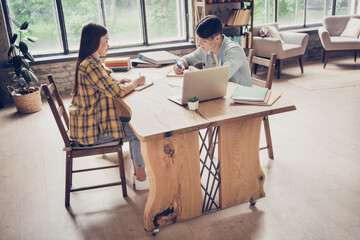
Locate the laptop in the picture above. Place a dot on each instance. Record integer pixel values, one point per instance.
(206, 84)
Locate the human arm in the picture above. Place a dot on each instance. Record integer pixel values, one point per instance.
(102, 80)
(235, 58)
(191, 59)
(128, 84)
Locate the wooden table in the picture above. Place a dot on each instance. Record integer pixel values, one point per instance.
(189, 176)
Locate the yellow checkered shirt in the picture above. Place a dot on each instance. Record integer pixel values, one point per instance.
(92, 111)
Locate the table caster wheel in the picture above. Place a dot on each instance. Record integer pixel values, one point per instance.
(154, 232)
(252, 202)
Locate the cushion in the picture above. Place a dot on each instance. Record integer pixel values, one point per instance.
(263, 32)
(352, 28)
(274, 33)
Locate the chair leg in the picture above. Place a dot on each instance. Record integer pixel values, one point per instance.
(301, 63)
(255, 68)
(268, 137)
(68, 178)
(278, 64)
(355, 53)
(326, 58)
(122, 171)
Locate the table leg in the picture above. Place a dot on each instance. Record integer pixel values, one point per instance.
(242, 178)
(174, 176)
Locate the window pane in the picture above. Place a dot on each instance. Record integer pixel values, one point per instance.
(165, 20)
(263, 11)
(290, 12)
(343, 7)
(317, 10)
(42, 24)
(123, 22)
(77, 14)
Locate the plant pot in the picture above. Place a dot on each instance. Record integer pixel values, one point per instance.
(28, 103)
(193, 105)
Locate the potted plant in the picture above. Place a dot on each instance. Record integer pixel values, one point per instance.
(24, 86)
(193, 103)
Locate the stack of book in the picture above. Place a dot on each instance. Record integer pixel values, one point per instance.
(154, 59)
(238, 17)
(118, 64)
(251, 95)
(143, 64)
(158, 57)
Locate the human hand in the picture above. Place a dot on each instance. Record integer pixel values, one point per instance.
(140, 80)
(179, 67)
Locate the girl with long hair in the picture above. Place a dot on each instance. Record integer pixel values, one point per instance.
(93, 116)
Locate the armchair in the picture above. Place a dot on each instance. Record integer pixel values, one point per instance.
(331, 39)
(288, 45)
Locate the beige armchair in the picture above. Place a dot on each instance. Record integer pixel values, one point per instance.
(331, 39)
(287, 45)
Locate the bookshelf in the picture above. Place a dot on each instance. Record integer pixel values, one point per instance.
(242, 11)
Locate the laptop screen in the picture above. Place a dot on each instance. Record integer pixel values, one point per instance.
(205, 84)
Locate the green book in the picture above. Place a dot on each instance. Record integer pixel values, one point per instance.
(249, 93)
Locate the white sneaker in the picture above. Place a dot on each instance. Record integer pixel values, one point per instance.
(140, 185)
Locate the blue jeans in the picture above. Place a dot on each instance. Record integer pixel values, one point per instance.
(134, 143)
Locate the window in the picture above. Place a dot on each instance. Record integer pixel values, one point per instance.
(347, 7)
(290, 13)
(58, 23)
(42, 23)
(316, 10)
(264, 11)
(301, 13)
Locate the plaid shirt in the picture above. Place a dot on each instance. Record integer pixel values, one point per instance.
(92, 111)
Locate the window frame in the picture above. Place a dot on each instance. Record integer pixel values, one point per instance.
(305, 24)
(125, 48)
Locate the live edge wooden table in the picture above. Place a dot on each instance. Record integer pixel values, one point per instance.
(191, 171)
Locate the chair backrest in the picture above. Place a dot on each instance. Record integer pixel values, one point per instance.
(59, 111)
(268, 63)
(336, 24)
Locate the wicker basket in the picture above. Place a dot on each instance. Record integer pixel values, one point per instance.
(28, 103)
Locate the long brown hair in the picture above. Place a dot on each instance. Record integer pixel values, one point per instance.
(89, 43)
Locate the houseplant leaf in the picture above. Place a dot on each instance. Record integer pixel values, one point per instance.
(34, 77)
(26, 75)
(24, 26)
(18, 72)
(13, 38)
(14, 21)
(23, 48)
(25, 63)
(31, 39)
(29, 56)
(16, 62)
(22, 82)
(10, 50)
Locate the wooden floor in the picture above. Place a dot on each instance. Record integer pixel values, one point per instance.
(312, 185)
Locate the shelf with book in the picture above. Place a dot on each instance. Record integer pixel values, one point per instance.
(235, 14)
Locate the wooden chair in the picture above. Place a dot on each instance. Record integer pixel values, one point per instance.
(62, 120)
(270, 64)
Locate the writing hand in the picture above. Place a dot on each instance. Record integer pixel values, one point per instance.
(179, 67)
(140, 80)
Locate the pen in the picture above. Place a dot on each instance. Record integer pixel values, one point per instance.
(177, 65)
